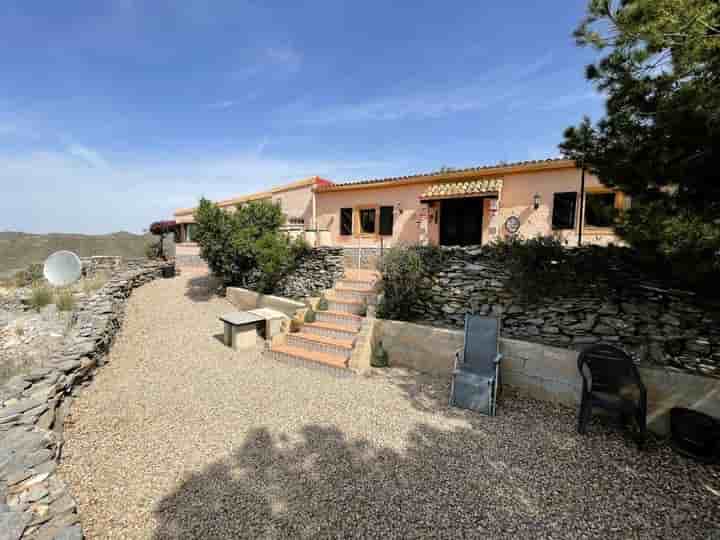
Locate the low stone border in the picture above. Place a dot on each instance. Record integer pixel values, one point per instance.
(34, 503)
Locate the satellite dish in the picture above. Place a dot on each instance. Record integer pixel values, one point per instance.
(62, 268)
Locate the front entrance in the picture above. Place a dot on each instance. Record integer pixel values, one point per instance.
(461, 221)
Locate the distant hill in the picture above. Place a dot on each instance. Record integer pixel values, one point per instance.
(18, 250)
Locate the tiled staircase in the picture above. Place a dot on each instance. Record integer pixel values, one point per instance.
(329, 341)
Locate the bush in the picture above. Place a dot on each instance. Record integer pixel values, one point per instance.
(153, 250)
(40, 297)
(379, 356)
(32, 274)
(90, 285)
(310, 315)
(64, 300)
(246, 247)
(402, 269)
(322, 304)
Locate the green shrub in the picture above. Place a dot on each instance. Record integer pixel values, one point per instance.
(32, 274)
(310, 315)
(379, 356)
(40, 297)
(64, 300)
(402, 269)
(90, 285)
(246, 247)
(153, 250)
(322, 304)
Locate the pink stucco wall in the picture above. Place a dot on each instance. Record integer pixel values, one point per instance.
(516, 199)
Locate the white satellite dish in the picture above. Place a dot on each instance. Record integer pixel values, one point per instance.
(62, 268)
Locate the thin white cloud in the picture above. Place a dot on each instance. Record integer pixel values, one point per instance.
(88, 155)
(492, 89)
(570, 100)
(268, 61)
(285, 56)
(69, 196)
(227, 104)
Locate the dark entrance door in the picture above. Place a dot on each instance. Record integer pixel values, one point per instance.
(461, 221)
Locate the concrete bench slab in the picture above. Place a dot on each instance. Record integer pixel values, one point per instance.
(240, 329)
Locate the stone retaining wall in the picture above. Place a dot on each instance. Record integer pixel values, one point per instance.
(318, 270)
(661, 326)
(34, 502)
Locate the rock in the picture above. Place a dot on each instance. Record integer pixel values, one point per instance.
(672, 320)
(73, 532)
(12, 525)
(20, 407)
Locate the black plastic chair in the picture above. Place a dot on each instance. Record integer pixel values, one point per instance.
(611, 381)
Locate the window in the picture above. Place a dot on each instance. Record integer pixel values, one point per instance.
(346, 220)
(563, 216)
(600, 209)
(367, 220)
(190, 232)
(386, 220)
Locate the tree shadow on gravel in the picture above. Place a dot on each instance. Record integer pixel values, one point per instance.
(201, 288)
(459, 482)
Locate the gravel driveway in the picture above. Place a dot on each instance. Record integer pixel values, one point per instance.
(179, 437)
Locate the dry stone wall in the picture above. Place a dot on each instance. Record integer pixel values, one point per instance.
(34, 502)
(316, 271)
(660, 326)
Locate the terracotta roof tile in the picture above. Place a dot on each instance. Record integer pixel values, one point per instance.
(472, 187)
(482, 168)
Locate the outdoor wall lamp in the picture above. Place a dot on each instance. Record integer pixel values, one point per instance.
(536, 201)
(398, 208)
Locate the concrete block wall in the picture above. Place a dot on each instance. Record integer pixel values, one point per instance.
(542, 371)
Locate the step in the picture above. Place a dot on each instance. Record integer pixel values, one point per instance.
(354, 283)
(315, 342)
(330, 330)
(296, 355)
(361, 275)
(345, 305)
(341, 318)
(354, 293)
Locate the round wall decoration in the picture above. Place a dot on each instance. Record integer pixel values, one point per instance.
(512, 224)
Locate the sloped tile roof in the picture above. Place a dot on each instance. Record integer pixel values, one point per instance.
(456, 189)
(530, 165)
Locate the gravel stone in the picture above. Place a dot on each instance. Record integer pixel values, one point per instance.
(181, 437)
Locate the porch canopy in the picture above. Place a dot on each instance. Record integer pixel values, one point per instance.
(469, 188)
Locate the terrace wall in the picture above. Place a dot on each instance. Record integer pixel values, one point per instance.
(659, 325)
(544, 372)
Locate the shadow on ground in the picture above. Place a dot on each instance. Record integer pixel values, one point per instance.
(502, 481)
(201, 288)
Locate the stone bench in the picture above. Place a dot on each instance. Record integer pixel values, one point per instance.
(241, 329)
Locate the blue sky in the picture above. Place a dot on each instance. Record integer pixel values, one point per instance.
(113, 113)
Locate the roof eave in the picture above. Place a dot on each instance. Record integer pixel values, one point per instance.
(451, 175)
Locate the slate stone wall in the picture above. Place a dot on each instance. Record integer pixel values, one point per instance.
(659, 325)
(318, 270)
(34, 502)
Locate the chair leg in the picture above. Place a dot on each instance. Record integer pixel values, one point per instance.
(584, 415)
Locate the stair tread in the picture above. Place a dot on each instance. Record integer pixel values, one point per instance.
(342, 314)
(342, 343)
(333, 326)
(343, 300)
(314, 356)
(368, 290)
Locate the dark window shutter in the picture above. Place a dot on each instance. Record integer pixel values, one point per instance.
(386, 220)
(346, 219)
(563, 216)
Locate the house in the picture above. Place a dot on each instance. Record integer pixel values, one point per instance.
(295, 199)
(450, 207)
(468, 207)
